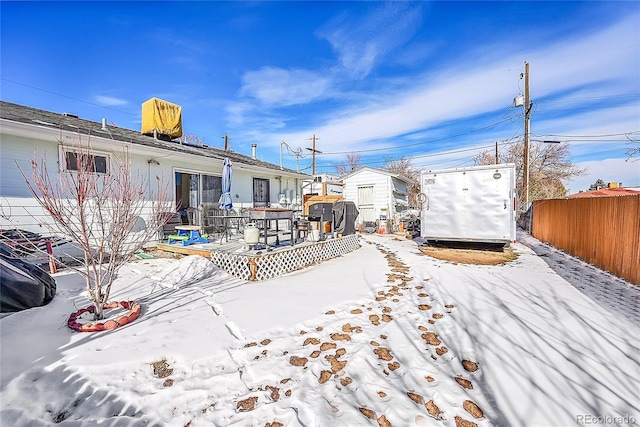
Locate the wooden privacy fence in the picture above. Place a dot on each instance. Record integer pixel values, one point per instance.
(603, 231)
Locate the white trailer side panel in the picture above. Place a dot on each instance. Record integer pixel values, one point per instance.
(470, 204)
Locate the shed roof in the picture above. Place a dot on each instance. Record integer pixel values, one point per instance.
(62, 121)
(380, 171)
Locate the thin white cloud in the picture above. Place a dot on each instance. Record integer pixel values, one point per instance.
(358, 45)
(582, 71)
(462, 91)
(609, 170)
(110, 101)
(590, 122)
(168, 38)
(361, 44)
(279, 87)
(425, 102)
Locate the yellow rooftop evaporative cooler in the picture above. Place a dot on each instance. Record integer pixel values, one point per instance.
(161, 118)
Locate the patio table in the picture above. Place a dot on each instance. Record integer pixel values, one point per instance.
(266, 214)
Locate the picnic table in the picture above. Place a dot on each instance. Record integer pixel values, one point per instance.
(188, 234)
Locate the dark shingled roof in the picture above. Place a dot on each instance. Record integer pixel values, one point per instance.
(67, 122)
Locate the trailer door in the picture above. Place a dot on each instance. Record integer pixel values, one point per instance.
(444, 209)
(490, 207)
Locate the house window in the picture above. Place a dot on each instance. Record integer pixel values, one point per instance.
(74, 160)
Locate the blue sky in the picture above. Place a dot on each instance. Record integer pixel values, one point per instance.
(430, 81)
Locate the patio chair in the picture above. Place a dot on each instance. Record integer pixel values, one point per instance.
(170, 227)
(214, 224)
(192, 216)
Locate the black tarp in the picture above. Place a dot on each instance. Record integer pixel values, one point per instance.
(344, 217)
(22, 284)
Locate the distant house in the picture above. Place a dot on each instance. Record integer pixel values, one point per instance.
(324, 188)
(193, 172)
(607, 192)
(378, 194)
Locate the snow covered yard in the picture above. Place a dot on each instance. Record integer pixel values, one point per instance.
(381, 336)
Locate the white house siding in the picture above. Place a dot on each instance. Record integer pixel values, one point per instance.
(20, 143)
(20, 209)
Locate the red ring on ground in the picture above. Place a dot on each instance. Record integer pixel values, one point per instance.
(133, 313)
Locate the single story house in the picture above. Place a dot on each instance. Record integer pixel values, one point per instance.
(379, 195)
(193, 172)
(607, 192)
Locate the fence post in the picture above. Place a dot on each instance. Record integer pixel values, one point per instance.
(52, 263)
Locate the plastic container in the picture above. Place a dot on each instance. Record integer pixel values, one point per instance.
(314, 235)
(251, 234)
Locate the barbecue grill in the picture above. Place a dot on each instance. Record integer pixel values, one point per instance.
(321, 212)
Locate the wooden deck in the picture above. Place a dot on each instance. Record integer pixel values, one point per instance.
(237, 259)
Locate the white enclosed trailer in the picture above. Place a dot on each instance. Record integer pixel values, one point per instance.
(475, 204)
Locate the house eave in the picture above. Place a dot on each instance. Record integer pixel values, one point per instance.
(39, 124)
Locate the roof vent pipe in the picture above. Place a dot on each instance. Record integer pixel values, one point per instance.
(253, 150)
(104, 124)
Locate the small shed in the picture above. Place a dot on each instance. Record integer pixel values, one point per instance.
(380, 196)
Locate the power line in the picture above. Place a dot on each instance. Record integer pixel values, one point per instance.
(371, 150)
(604, 135)
(589, 98)
(83, 101)
(501, 143)
(443, 153)
(68, 97)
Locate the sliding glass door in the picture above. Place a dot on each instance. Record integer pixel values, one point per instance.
(197, 194)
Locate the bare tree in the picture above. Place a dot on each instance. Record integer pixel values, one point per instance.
(633, 150)
(549, 166)
(101, 212)
(352, 163)
(488, 158)
(192, 140)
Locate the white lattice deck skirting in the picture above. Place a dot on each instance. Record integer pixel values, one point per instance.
(269, 265)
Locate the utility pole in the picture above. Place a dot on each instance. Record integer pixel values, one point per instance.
(313, 152)
(527, 112)
(226, 142)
